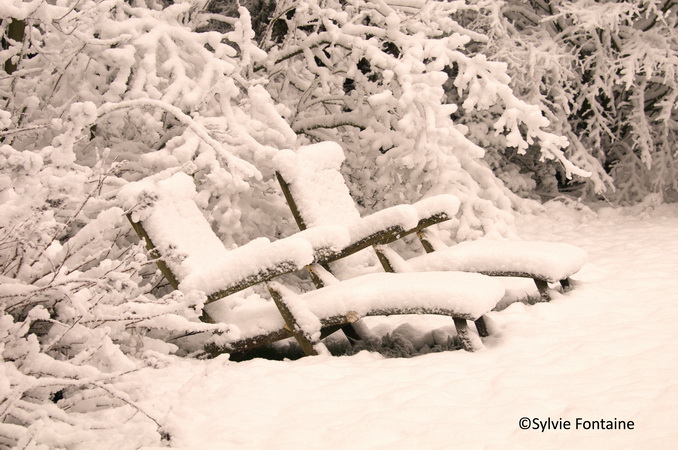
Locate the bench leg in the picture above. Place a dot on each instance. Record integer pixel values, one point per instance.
(351, 333)
(302, 339)
(543, 287)
(463, 333)
(566, 284)
(481, 326)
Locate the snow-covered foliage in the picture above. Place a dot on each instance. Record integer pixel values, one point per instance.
(77, 299)
(96, 94)
(139, 81)
(374, 76)
(605, 75)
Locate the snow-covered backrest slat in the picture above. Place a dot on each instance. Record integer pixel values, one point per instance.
(173, 222)
(195, 255)
(317, 186)
(319, 192)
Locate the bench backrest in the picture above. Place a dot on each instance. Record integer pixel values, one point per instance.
(164, 213)
(318, 195)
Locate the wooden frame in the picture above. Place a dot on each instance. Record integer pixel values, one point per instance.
(322, 256)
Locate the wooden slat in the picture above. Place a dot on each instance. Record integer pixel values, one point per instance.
(385, 236)
(543, 288)
(290, 201)
(301, 337)
(245, 345)
(154, 253)
(269, 274)
(421, 310)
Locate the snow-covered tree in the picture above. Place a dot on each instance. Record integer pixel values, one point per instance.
(388, 79)
(605, 76)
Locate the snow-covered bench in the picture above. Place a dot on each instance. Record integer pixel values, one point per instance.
(317, 194)
(163, 212)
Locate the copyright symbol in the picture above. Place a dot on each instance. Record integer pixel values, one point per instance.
(524, 423)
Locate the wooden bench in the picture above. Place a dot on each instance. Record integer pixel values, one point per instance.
(163, 212)
(317, 194)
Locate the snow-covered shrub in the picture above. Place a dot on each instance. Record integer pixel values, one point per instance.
(387, 80)
(101, 93)
(74, 305)
(157, 94)
(605, 75)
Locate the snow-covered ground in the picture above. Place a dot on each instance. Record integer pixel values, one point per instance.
(608, 350)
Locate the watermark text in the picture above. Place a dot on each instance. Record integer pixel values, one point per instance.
(579, 423)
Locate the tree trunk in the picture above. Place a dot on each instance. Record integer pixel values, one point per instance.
(15, 32)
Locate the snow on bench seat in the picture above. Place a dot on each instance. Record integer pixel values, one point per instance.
(549, 261)
(320, 194)
(252, 317)
(196, 256)
(456, 294)
(466, 295)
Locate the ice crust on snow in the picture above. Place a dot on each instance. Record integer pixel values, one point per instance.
(552, 261)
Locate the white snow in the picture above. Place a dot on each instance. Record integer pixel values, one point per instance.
(605, 350)
(331, 237)
(551, 261)
(252, 315)
(196, 255)
(467, 294)
(173, 221)
(322, 198)
(251, 259)
(319, 190)
(443, 203)
(403, 216)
